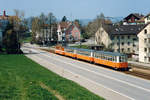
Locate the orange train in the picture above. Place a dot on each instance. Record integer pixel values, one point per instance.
(111, 59)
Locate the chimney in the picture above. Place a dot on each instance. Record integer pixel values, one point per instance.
(4, 13)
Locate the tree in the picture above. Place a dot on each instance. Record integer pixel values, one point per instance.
(93, 26)
(10, 40)
(35, 28)
(43, 19)
(52, 25)
(51, 18)
(64, 19)
(13, 32)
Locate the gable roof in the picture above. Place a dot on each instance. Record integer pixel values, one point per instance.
(64, 25)
(144, 27)
(137, 15)
(123, 29)
(147, 15)
(70, 28)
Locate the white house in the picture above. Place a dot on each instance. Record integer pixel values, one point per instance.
(144, 44)
(68, 32)
(147, 18)
(119, 38)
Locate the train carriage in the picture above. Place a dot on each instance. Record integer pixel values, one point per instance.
(71, 52)
(85, 54)
(112, 59)
(59, 50)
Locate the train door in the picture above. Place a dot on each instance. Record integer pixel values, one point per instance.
(118, 59)
(92, 54)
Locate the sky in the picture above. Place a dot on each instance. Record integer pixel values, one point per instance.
(76, 9)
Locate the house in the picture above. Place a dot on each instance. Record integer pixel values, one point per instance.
(68, 32)
(72, 33)
(62, 26)
(119, 38)
(147, 18)
(47, 33)
(4, 16)
(144, 44)
(133, 18)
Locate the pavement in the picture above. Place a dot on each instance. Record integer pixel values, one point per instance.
(104, 82)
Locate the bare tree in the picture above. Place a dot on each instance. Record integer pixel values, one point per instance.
(35, 27)
(93, 26)
(51, 22)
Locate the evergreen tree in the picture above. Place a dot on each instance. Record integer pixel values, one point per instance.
(64, 19)
(10, 40)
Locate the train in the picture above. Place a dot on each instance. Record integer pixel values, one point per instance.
(111, 59)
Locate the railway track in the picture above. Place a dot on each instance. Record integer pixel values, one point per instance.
(135, 70)
(139, 72)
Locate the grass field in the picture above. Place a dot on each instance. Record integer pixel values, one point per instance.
(23, 79)
(81, 46)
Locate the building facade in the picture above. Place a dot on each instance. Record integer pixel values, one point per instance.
(47, 34)
(144, 44)
(147, 18)
(119, 38)
(68, 32)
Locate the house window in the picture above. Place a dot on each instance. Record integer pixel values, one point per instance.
(128, 43)
(122, 43)
(122, 49)
(118, 43)
(128, 37)
(145, 40)
(59, 33)
(118, 50)
(145, 31)
(134, 39)
(144, 58)
(117, 37)
(145, 49)
(112, 38)
(128, 49)
(122, 37)
(129, 20)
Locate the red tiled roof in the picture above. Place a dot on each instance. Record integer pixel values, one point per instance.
(64, 25)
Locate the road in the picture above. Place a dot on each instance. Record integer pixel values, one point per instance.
(130, 87)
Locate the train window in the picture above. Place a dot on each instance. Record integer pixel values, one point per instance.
(114, 58)
(122, 59)
(104, 57)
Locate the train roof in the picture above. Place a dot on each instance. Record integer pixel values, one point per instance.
(101, 52)
(110, 53)
(89, 50)
(70, 48)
